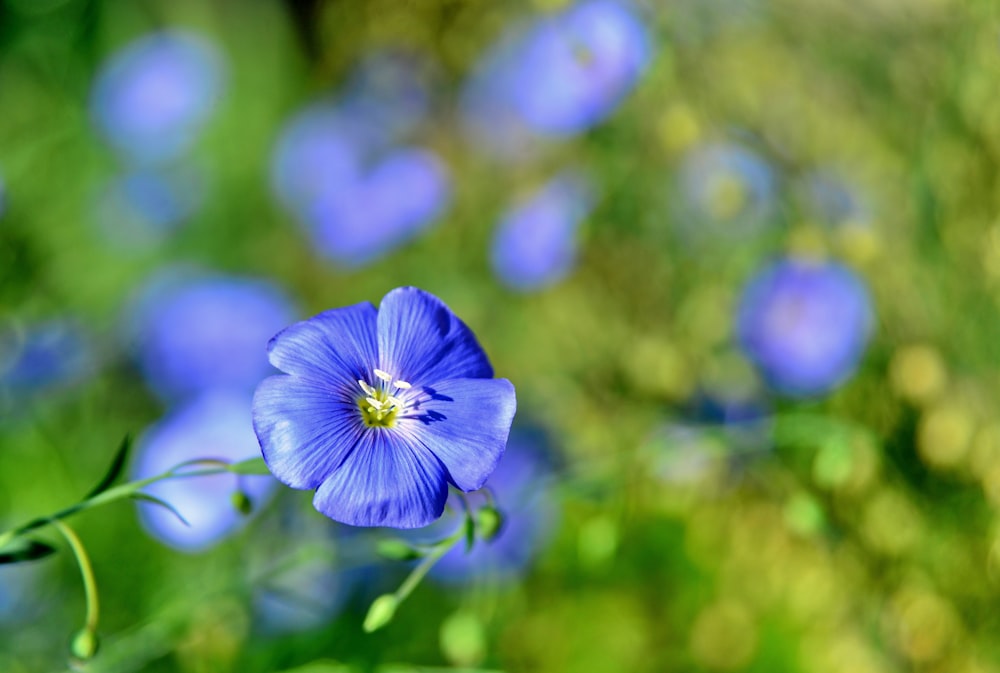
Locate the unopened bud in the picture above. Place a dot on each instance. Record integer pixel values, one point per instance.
(241, 502)
(84, 645)
(381, 612)
(489, 521)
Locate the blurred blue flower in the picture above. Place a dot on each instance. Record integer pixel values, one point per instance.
(381, 410)
(141, 208)
(536, 243)
(214, 425)
(22, 588)
(833, 201)
(522, 489)
(389, 93)
(558, 76)
(711, 429)
(152, 98)
(43, 357)
(299, 577)
(319, 151)
(725, 189)
(357, 197)
(195, 333)
(381, 209)
(805, 325)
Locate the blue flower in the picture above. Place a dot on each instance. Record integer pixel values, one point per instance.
(805, 325)
(712, 427)
(152, 98)
(25, 592)
(536, 243)
(43, 357)
(380, 209)
(214, 425)
(382, 409)
(389, 93)
(834, 201)
(557, 77)
(726, 189)
(141, 208)
(195, 334)
(305, 576)
(356, 196)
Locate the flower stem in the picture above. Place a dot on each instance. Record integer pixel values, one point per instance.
(251, 466)
(384, 607)
(86, 571)
(417, 575)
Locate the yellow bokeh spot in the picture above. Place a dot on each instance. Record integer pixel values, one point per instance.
(924, 624)
(984, 453)
(679, 128)
(991, 252)
(891, 524)
(727, 196)
(857, 242)
(724, 636)
(944, 435)
(655, 366)
(807, 241)
(917, 373)
(217, 634)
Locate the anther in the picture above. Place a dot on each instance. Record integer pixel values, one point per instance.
(402, 385)
(385, 376)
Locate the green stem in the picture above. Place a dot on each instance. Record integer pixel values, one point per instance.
(413, 580)
(126, 490)
(86, 570)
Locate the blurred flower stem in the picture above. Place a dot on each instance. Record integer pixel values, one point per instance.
(132, 490)
(384, 607)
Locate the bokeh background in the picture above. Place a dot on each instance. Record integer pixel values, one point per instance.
(741, 259)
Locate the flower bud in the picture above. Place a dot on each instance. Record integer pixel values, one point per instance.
(85, 644)
(381, 612)
(489, 521)
(241, 503)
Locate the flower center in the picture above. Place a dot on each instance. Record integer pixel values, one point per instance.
(380, 404)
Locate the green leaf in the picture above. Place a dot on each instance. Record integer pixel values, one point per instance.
(29, 550)
(117, 465)
(250, 466)
(145, 497)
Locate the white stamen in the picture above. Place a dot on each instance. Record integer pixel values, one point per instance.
(385, 376)
(394, 401)
(375, 403)
(402, 385)
(367, 388)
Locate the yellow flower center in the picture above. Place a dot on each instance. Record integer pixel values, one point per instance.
(380, 404)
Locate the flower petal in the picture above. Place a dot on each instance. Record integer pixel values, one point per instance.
(305, 429)
(337, 346)
(465, 423)
(421, 340)
(385, 481)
